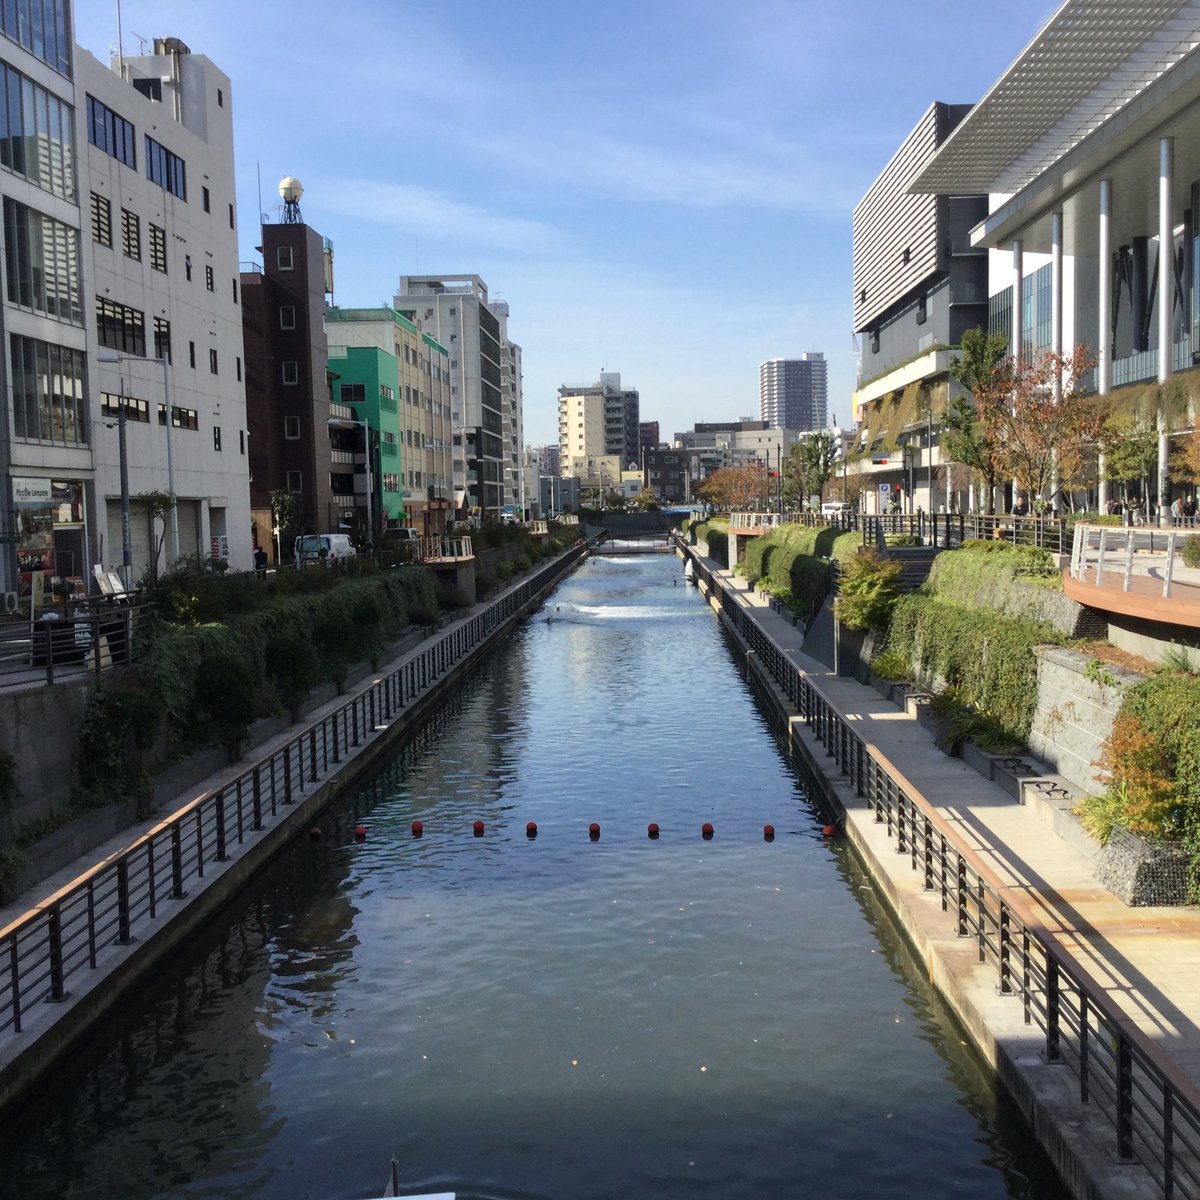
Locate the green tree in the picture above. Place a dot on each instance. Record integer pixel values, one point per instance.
(1130, 445)
(982, 371)
(809, 466)
(285, 512)
(157, 506)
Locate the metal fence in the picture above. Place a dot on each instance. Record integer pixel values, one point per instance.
(1147, 552)
(114, 902)
(1154, 1108)
(89, 638)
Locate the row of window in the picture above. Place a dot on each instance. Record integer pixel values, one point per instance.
(48, 391)
(37, 134)
(42, 263)
(43, 27)
(112, 133)
(139, 410)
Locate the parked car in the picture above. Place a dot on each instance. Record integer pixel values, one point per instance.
(400, 545)
(327, 548)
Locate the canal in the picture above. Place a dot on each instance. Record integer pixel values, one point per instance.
(553, 1017)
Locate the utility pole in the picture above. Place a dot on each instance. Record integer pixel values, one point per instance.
(126, 537)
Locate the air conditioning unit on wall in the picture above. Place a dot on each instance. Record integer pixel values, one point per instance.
(9, 602)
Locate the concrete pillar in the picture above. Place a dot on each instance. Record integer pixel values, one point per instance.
(1139, 288)
(1018, 294)
(1056, 289)
(1166, 308)
(1104, 341)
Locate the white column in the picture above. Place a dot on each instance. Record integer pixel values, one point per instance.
(1018, 294)
(1056, 287)
(1166, 292)
(1104, 333)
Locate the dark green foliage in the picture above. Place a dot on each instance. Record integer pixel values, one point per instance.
(336, 641)
(451, 598)
(986, 657)
(292, 666)
(8, 781)
(717, 538)
(1191, 551)
(224, 700)
(485, 582)
(122, 721)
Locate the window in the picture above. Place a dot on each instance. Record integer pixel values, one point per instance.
(42, 263)
(231, 224)
(162, 338)
(235, 291)
(101, 220)
(187, 267)
(212, 361)
(922, 310)
(38, 132)
(119, 327)
(192, 355)
(111, 133)
(209, 279)
(48, 397)
(217, 438)
(238, 366)
(241, 441)
(354, 393)
(294, 483)
(287, 316)
(220, 98)
(150, 88)
(283, 258)
(391, 482)
(205, 200)
(291, 428)
(168, 170)
(158, 248)
(181, 418)
(453, 312)
(43, 29)
(135, 409)
(131, 235)
(290, 369)
(389, 439)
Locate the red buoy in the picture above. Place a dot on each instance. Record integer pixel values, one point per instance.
(478, 827)
(768, 833)
(531, 829)
(829, 830)
(314, 834)
(652, 829)
(417, 829)
(706, 831)
(360, 833)
(594, 831)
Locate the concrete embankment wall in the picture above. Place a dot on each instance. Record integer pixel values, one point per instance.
(50, 1030)
(1077, 1137)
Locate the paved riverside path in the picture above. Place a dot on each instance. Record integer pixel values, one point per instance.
(1147, 959)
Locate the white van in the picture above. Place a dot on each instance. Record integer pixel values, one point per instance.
(834, 508)
(327, 548)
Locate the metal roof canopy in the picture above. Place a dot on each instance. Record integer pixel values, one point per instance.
(1090, 60)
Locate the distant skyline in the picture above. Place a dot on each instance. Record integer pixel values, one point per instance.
(662, 189)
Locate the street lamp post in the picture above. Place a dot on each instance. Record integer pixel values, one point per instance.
(114, 356)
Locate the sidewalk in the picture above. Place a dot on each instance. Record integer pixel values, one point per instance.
(1147, 959)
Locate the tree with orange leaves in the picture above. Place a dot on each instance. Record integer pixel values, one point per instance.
(738, 489)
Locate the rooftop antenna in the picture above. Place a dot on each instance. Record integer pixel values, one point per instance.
(120, 48)
(290, 189)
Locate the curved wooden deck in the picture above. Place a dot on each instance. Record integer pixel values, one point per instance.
(1144, 599)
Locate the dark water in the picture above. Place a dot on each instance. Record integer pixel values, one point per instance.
(553, 1018)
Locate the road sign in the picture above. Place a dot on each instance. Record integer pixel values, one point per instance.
(885, 487)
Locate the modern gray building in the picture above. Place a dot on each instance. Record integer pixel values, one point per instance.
(793, 393)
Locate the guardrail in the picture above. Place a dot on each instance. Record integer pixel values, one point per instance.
(1155, 1110)
(89, 638)
(41, 951)
(1128, 550)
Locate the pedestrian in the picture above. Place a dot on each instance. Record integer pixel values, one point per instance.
(260, 560)
(1177, 511)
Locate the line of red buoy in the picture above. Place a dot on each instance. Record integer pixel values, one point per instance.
(531, 831)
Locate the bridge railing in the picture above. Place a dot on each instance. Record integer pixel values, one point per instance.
(1154, 1109)
(117, 901)
(1128, 552)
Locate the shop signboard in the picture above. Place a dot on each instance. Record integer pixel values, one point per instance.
(31, 491)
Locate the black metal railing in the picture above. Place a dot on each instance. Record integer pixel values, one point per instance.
(113, 903)
(1154, 1108)
(86, 637)
(950, 530)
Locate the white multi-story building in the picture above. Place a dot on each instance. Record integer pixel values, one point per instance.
(161, 282)
(793, 392)
(598, 420)
(485, 384)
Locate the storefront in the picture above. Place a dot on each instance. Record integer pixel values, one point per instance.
(51, 538)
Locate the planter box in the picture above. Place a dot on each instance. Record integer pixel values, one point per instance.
(1141, 872)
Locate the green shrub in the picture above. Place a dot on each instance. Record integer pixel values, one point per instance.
(293, 667)
(485, 581)
(1191, 551)
(8, 781)
(224, 699)
(868, 591)
(121, 722)
(452, 598)
(335, 641)
(892, 666)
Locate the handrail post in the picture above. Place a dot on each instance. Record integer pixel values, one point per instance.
(54, 937)
(221, 855)
(177, 891)
(1053, 1053)
(1124, 1098)
(124, 934)
(961, 889)
(1005, 950)
(258, 820)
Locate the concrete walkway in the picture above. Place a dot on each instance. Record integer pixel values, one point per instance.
(1147, 959)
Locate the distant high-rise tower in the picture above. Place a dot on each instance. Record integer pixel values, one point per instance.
(793, 392)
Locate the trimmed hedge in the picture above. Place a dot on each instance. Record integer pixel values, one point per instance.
(792, 562)
(985, 657)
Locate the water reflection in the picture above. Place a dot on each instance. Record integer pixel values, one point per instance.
(550, 1018)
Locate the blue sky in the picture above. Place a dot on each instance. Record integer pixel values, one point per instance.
(662, 188)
